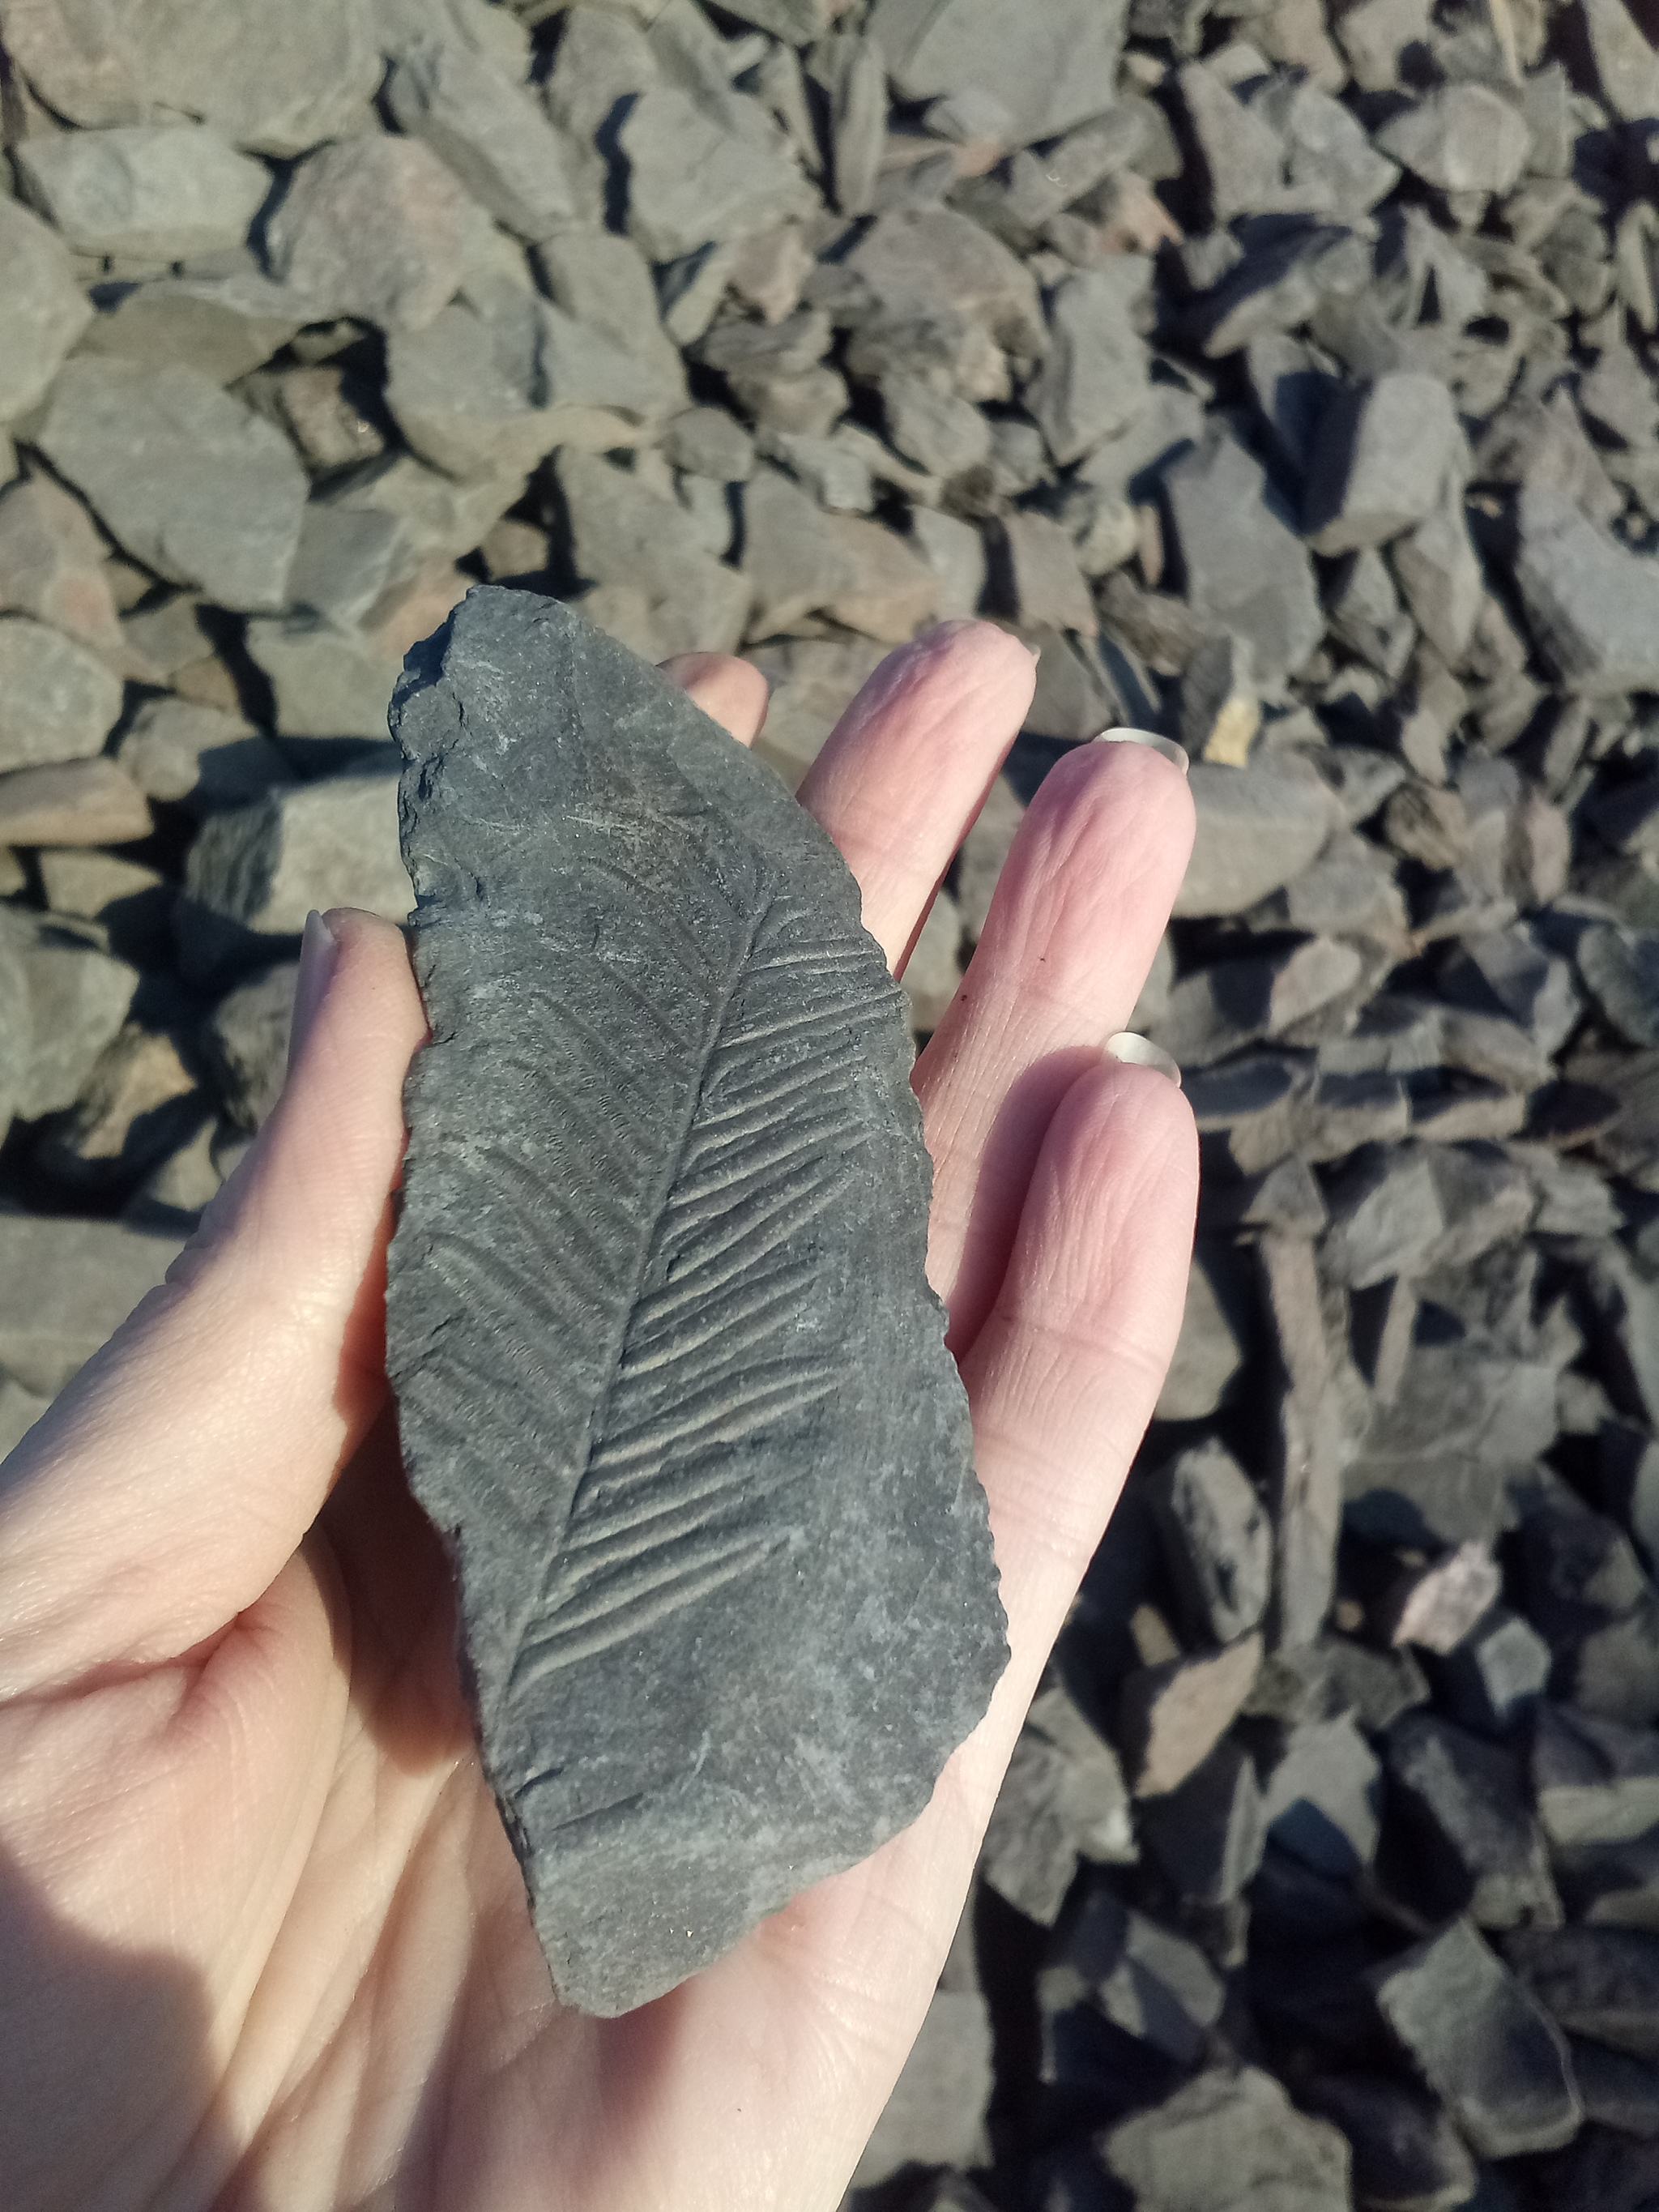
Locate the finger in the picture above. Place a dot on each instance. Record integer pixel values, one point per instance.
(1064, 1380)
(906, 769)
(730, 691)
(164, 1489)
(1083, 899)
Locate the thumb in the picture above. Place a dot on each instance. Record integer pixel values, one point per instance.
(167, 1487)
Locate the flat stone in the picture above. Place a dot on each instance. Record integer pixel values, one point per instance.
(1496, 1676)
(1601, 1983)
(1611, 1885)
(1621, 967)
(276, 83)
(1321, 1791)
(1626, 67)
(1170, 1717)
(244, 1043)
(78, 802)
(1593, 605)
(891, 593)
(1474, 1847)
(326, 682)
(132, 901)
(1230, 2138)
(1259, 828)
(1618, 2091)
(52, 565)
(1407, 2152)
(705, 442)
(489, 389)
(140, 1103)
(1049, 65)
(1246, 568)
(1385, 1217)
(488, 129)
(623, 534)
(1062, 1800)
(199, 756)
(603, 283)
(1207, 1837)
(192, 484)
(1487, 2048)
(923, 261)
(1093, 383)
(1209, 1353)
(321, 408)
(376, 226)
(1436, 1607)
(254, 873)
(1379, 462)
(67, 1000)
(941, 433)
(222, 323)
(690, 181)
(144, 192)
(1461, 138)
(57, 702)
(65, 1288)
(1440, 575)
(1239, 159)
(1142, 1976)
(45, 309)
(795, 562)
(1217, 1540)
(668, 1825)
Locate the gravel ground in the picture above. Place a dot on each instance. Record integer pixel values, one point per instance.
(1285, 375)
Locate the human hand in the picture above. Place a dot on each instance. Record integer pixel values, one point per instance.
(264, 1944)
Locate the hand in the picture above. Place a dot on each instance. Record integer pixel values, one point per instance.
(263, 1941)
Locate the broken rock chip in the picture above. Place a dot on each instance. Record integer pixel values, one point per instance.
(671, 1381)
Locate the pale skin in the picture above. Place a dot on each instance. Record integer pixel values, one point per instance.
(262, 1943)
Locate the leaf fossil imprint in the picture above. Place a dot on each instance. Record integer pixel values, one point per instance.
(670, 1382)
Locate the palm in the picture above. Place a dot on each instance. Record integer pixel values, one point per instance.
(262, 1939)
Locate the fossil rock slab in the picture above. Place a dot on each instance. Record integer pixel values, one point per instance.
(671, 1383)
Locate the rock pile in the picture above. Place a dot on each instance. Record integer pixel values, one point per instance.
(1287, 376)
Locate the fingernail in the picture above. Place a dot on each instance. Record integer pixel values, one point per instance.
(1167, 746)
(318, 950)
(1136, 1051)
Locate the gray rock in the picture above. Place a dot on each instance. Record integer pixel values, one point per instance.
(691, 181)
(133, 903)
(83, 802)
(794, 562)
(1246, 570)
(221, 324)
(1440, 575)
(1217, 1540)
(1474, 1847)
(1436, 1607)
(1621, 967)
(320, 408)
(67, 1000)
(1461, 138)
(1230, 2138)
(1385, 1218)
(1207, 1837)
(1216, 1011)
(1510, 972)
(199, 755)
(376, 226)
(1379, 462)
(140, 1103)
(602, 282)
(916, 264)
(52, 565)
(1171, 1717)
(714, 1818)
(324, 683)
(1599, 1983)
(1611, 1885)
(144, 193)
(488, 388)
(191, 482)
(244, 1043)
(488, 129)
(1321, 1791)
(1208, 1354)
(1592, 605)
(1407, 2152)
(936, 431)
(935, 2114)
(1049, 65)
(45, 309)
(705, 442)
(65, 1288)
(1618, 2091)
(277, 82)
(255, 873)
(57, 702)
(1094, 382)
(1143, 1977)
(1063, 1799)
(1496, 1676)
(1240, 159)
(1588, 1597)
(1626, 67)
(1258, 828)
(1482, 2042)
(623, 535)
